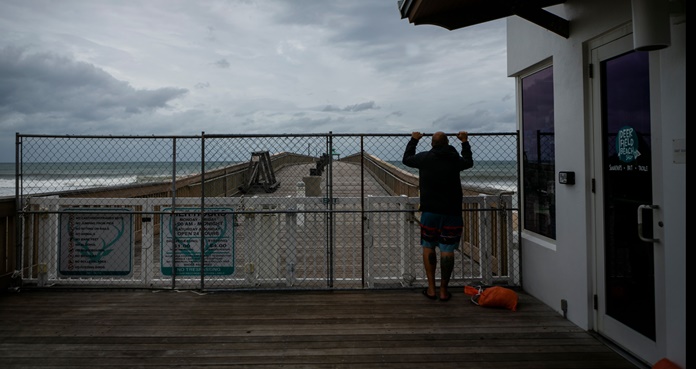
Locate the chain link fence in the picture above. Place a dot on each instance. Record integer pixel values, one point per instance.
(228, 212)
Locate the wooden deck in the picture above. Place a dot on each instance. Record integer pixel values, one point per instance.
(121, 328)
(299, 329)
(348, 181)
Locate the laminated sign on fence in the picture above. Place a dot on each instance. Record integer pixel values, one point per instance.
(96, 244)
(188, 233)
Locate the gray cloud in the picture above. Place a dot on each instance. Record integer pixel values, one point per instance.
(44, 84)
(370, 105)
(479, 120)
(360, 107)
(222, 63)
(176, 67)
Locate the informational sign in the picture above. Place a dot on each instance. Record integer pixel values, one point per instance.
(185, 230)
(96, 243)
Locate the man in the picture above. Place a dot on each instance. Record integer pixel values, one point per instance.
(440, 203)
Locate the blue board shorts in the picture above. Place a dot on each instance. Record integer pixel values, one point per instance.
(443, 231)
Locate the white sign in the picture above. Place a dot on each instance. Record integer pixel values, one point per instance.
(185, 230)
(96, 243)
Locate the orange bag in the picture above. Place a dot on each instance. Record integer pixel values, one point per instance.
(472, 291)
(665, 363)
(493, 297)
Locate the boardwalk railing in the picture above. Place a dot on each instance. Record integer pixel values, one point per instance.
(256, 242)
(333, 222)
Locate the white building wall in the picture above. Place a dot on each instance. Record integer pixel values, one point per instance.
(564, 269)
(558, 270)
(673, 113)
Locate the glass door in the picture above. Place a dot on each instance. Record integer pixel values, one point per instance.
(623, 202)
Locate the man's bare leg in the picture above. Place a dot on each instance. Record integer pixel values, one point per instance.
(446, 268)
(430, 264)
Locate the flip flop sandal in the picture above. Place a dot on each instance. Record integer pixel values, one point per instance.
(449, 296)
(425, 293)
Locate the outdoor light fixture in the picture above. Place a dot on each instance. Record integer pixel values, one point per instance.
(651, 25)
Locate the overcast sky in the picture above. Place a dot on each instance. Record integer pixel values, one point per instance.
(182, 67)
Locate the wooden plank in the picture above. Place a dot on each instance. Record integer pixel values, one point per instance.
(311, 329)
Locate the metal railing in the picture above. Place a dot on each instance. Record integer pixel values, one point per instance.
(114, 212)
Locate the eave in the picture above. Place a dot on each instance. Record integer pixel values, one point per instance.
(455, 14)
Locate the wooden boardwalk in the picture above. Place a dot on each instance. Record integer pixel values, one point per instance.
(347, 181)
(297, 329)
(379, 328)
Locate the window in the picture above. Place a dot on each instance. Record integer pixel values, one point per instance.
(539, 159)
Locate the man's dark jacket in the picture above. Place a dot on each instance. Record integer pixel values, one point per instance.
(439, 181)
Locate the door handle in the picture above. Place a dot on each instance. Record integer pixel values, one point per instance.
(640, 222)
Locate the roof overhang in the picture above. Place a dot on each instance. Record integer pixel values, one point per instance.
(455, 14)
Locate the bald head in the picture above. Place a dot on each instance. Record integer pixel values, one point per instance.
(440, 139)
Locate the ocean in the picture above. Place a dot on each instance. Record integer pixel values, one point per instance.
(61, 176)
(499, 175)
